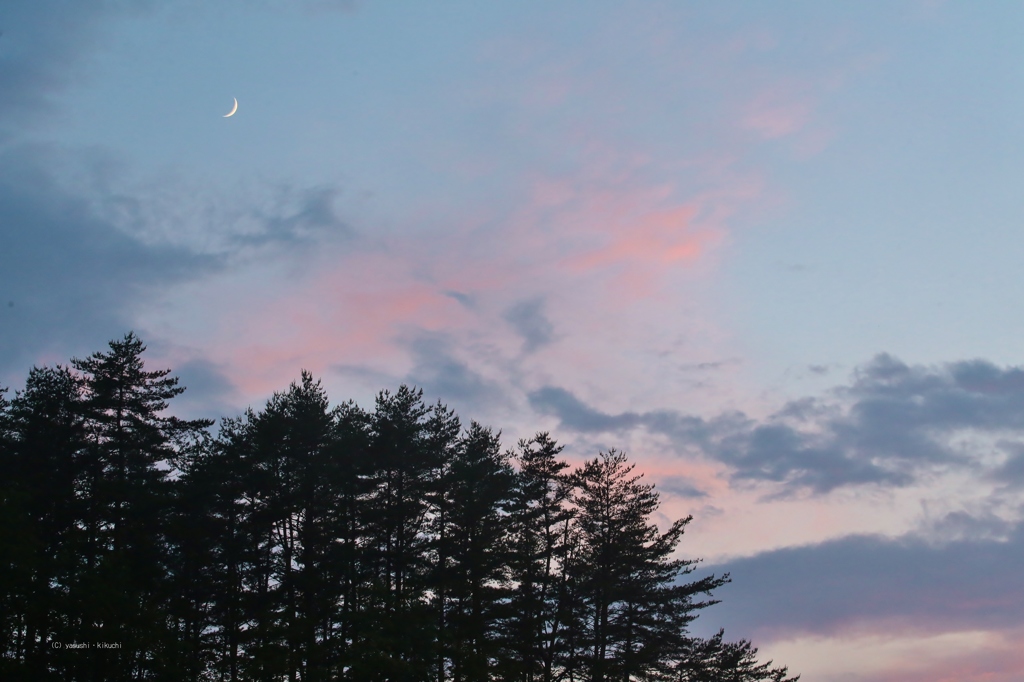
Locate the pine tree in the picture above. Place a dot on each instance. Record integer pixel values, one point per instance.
(194, 529)
(715, 660)
(542, 543)
(409, 445)
(472, 532)
(636, 612)
(11, 521)
(42, 469)
(284, 587)
(221, 492)
(310, 543)
(127, 499)
(353, 486)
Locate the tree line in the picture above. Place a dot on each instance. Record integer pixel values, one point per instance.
(310, 542)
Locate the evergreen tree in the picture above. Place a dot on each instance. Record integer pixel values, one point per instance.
(542, 541)
(126, 497)
(284, 584)
(408, 447)
(41, 460)
(636, 612)
(472, 534)
(221, 482)
(193, 582)
(353, 487)
(11, 522)
(715, 660)
(310, 543)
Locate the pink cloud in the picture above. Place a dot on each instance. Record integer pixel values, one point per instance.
(350, 312)
(604, 247)
(661, 237)
(776, 114)
(1001, 665)
(973, 656)
(1006, 666)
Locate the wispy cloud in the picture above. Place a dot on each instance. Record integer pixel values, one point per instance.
(529, 321)
(493, 290)
(778, 114)
(890, 425)
(445, 377)
(69, 279)
(40, 55)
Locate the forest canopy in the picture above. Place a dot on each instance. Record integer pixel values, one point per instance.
(309, 542)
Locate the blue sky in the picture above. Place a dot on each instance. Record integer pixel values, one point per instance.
(769, 249)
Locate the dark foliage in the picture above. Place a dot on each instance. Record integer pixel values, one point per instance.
(305, 542)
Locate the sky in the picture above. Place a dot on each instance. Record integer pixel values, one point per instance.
(770, 250)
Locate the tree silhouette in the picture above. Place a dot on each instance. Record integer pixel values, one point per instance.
(715, 660)
(635, 608)
(472, 555)
(128, 450)
(309, 543)
(540, 611)
(41, 456)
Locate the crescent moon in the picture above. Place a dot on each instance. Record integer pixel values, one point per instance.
(233, 109)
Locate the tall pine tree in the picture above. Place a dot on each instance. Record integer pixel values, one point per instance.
(472, 534)
(409, 445)
(541, 609)
(126, 497)
(636, 611)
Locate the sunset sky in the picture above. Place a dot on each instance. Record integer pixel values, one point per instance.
(772, 250)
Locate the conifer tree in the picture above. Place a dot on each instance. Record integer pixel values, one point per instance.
(41, 461)
(541, 538)
(353, 487)
(222, 486)
(715, 660)
(283, 584)
(195, 548)
(472, 534)
(409, 445)
(636, 612)
(11, 522)
(130, 446)
(310, 543)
